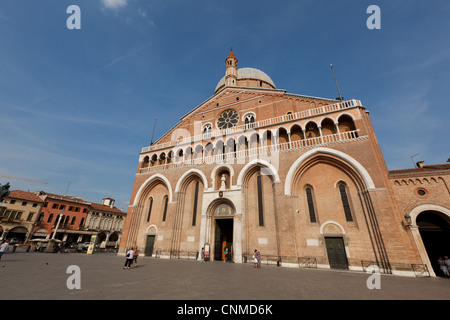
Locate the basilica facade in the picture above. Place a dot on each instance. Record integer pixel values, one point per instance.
(301, 179)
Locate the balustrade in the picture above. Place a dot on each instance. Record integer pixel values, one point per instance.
(252, 153)
(258, 124)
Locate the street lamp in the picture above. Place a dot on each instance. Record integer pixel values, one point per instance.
(408, 221)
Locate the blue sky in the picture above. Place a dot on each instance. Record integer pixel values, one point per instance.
(77, 106)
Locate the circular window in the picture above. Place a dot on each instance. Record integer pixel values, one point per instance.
(421, 192)
(228, 119)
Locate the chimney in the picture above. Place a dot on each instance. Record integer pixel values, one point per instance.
(420, 164)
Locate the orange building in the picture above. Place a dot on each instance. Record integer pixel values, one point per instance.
(300, 178)
(64, 215)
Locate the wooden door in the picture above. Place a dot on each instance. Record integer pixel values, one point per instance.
(149, 245)
(336, 253)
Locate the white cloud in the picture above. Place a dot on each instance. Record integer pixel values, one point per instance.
(114, 4)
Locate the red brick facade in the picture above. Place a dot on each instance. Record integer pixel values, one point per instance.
(304, 179)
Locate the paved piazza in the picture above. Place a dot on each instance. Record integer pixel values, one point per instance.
(102, 277)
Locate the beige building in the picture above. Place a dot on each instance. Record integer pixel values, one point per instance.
(106, 222)
(300, 178)
(20, 215)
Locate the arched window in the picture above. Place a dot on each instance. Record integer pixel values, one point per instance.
(345, 202)
(207, 128)
(309, 199)
(149, 209)
(50, 218)
(249, 121)
(194, 211)
(73, 221)
(166, 200)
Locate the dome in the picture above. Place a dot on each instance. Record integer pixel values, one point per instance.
(248, 73)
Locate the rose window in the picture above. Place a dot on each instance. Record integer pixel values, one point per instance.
(228, 119)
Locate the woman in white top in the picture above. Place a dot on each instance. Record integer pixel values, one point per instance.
(129, 260)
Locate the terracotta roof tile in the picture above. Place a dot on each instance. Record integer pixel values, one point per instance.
(102, 207)
(24, 195)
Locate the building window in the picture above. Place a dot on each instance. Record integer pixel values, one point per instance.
(421, 192)
(30, 216)
(166, 200)
(194, 213)
(228, 119)
(62, 207)
(260, 201)
(309, 198)
(50, 218)
(149, 209)
(249, 121)
(55, 206)
(73, 221)
(345, 202)
(12, 201)
(34, 205)
(24, 203)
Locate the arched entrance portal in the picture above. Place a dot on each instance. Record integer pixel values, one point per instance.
(222, 226)
(223, 239)
(434, 229)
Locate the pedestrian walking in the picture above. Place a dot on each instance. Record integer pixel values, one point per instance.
(129, 260)
(225, 252)
(447, 267)
(135, 256)
(258, 256)
(3, 248)
(255, 259)
(443, 267)
(203, 255)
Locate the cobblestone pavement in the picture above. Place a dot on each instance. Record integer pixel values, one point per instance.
(102, 277)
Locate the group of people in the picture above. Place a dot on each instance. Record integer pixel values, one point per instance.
(256, 259)
(131, 256)
(444, 264)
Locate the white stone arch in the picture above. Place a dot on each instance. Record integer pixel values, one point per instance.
(345, 114)
(144, 185)
(427, 207)
(332, 222)
(218, 167)
(207, 124)
(416, 234)
(327, 117)
(345, 157)
(318, 124)
(152, 230)
(249, 113)
(268, 165)
(288, 130)
(301, 125)
(200, 173)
